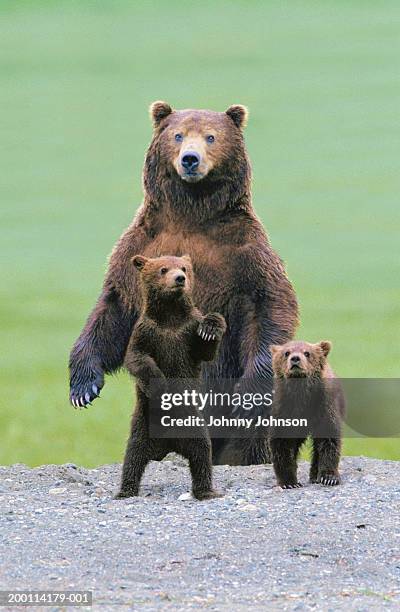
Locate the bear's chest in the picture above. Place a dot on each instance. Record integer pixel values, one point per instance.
(171, 350)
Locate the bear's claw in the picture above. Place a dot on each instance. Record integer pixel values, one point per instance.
(329, 480)
(295, 485)
(211, 327)
(82, 395)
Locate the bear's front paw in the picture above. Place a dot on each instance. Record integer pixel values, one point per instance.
(329, 479)
(84, 392)
(157, 388)
(212, 327)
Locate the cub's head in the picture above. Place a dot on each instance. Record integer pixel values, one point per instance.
(165, 276)
(194, 144)
(299, 359)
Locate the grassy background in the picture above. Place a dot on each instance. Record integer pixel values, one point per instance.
(76, 78)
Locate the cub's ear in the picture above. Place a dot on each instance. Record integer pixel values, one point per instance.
(158, 111)
(274, 348)
(187, 258)
(325, 346)
(139, 261)
(239, 115)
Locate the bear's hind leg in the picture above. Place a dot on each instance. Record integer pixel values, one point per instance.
(328, 460)
(314, 463)
(137, 455)
(198, 452)
(284, 459)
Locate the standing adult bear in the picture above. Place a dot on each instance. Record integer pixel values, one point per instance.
(197, 201)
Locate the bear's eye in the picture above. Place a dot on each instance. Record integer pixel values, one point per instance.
(210, 138)
(306, 354)
(163, 271)
(287, 353)
(183, 269)
(178, 137)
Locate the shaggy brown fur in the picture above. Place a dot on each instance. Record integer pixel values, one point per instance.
(305, 386)
(204, 210)
(170, 340)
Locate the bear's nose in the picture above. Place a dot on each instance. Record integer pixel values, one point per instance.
(180, 280)
(190, 160)
(295, 359)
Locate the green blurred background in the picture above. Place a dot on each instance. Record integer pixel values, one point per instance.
(322, 83)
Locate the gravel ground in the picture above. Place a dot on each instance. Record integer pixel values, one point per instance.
(256, 548)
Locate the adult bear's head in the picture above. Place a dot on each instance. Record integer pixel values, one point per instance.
(197, 157)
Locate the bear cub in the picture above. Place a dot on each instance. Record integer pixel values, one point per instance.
(306, 387)
(171, 339)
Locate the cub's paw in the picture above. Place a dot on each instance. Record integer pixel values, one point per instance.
(212, 327)
(291, 485)
(158, 386)
(125, 494)
(82, 393)
(329, 480)
(203, 495)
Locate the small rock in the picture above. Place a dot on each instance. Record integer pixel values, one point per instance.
(185, 497)
(247, 507)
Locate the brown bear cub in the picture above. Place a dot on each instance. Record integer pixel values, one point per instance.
(306, 387)
(171, 339)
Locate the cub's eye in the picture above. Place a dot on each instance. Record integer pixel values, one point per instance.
(163, 271)
(183, 269)
(287, 353)
(178, 137)
(306, 354)
(210, 138)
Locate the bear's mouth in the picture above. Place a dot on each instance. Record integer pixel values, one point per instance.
(296, 371)
(175, 289)
(192, 177)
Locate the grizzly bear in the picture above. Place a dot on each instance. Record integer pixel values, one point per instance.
(170, 340)
(306, 387)
(197, 200)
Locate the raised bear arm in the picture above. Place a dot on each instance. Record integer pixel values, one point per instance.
(102, 343)
(208, 336)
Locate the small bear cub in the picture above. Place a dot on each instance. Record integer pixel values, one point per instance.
(170, 340)
(306, 387)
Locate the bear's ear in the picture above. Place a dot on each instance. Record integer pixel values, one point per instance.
(139, 261)
(158, 111)
(187, 258)
(325, 346)
(239, 115)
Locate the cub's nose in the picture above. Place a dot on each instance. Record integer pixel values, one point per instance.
(190, 160)
(180, 280)
(294, 359)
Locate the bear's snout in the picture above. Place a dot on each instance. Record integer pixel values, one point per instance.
(190, 161)
(180, 280)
